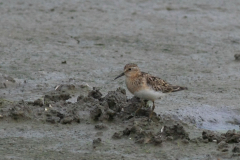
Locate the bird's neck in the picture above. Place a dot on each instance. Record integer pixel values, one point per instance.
(133, 75)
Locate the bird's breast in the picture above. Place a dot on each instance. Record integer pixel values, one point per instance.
(135, 84)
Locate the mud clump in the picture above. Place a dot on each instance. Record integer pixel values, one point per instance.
(100, 126)
(108, 107)
(156, 140)
(229, 137)
(19, 111)
(116, 100)
(68, 120)
(232, 137)
(95, 113)
(126, 132)
(135, 104)
(147, 137)
(97, 141)
(38, 102)
(210, 136)
(143, 137)
(236, 149)
(8, 78)
(176, 131)
(80, 97)
(109, 114)
(223, 146)
(237, 57)
(56, 96)
(144, 132)
(61, 92)
(117, 135)
(95, 93)
(114, 106)
(61, 112)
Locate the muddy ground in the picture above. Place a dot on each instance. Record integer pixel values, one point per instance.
(52, 54)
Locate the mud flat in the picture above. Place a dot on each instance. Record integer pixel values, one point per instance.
(104, 127)
(53, 52)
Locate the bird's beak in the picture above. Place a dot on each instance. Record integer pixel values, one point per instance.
(122, 74)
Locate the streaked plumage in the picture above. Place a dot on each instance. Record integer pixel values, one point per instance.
(146, 86)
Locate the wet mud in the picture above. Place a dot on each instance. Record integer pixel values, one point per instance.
(52, 53)
(100, 113)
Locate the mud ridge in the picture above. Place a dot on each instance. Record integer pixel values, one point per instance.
(113, 108)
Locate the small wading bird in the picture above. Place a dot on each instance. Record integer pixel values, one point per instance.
(146, 86)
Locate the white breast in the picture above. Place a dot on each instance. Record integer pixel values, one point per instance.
(149, 94)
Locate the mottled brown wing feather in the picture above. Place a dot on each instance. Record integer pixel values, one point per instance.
(159, 84)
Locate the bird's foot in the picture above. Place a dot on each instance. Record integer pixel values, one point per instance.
(133, 114)
(125, 112)
(150, 120)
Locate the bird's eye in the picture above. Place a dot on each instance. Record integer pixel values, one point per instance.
(130, 69)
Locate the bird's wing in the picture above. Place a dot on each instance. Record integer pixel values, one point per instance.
(159, 84)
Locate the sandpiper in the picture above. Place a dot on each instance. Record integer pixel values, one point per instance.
(146, 86)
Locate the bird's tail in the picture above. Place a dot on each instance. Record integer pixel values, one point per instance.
(178, 88)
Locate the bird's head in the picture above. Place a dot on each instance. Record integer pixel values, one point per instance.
(129, 70)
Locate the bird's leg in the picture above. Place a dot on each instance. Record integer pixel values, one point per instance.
(153, 107)
(145, 103)
(142, 101)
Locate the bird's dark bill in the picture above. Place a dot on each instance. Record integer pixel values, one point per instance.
(122, 74)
